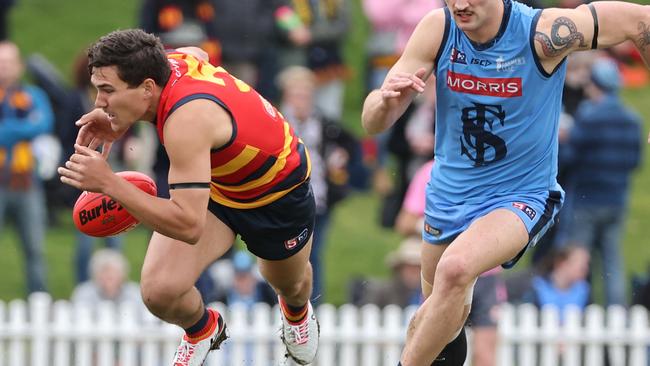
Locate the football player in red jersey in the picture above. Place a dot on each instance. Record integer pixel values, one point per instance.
(236, 167)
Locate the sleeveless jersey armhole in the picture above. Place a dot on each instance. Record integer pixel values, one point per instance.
(443, 42)
(213, 98)
(531, 42)
(594, 41)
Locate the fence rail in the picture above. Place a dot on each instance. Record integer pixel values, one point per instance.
(40, 332)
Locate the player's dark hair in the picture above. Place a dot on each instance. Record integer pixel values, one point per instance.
(137, 55)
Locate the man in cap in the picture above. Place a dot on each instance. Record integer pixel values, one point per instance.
(605, 145)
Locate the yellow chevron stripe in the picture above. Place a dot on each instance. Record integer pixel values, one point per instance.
(270, 174)
(219, 198)
(245, 156)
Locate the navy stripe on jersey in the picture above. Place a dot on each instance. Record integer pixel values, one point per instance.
(533, 30)
(296, 176)
(258, 173)
(192, 97)
(445, 35)
(594, 41)
(538, 62)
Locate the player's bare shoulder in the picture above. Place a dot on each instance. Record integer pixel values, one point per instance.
(562, 31)
(199, 121)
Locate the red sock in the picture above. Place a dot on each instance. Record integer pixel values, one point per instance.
(203, 328)
(294, 314)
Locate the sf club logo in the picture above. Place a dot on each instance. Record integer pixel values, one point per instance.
(476, 142)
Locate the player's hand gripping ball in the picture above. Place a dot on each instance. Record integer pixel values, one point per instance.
(97, 214)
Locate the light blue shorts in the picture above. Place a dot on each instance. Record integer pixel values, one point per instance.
(444, 221)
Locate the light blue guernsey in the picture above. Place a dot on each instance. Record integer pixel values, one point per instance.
(497, 114)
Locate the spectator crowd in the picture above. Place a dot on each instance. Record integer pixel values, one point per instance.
(292, 53)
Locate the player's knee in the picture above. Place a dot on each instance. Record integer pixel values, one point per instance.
(452, 271)
(158, 295)
(156, 298)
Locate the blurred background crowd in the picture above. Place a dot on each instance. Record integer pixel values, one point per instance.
(316, 60)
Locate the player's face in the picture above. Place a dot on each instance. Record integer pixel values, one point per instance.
(472, 15)
(125, 105)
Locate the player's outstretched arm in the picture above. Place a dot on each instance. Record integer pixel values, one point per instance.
(384, 106)
(621, 21)
(601, 24)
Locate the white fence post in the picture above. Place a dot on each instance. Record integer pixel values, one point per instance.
(61, 328)
(17, 327)
(371, 335)
(639, 334)
(527, 335)
(506, 331)
(239, 334)
(261, 328)
(39, 310)
(616, 324)
(394, 332)
(349, 334)
(573, 334)
(127, 324)
(550, 333)
(326, 315)
(151, 348)
(105, 328)
(593, 333)
(82, 334)
(279, 350)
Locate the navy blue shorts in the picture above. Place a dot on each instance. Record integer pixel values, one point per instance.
(274, 231)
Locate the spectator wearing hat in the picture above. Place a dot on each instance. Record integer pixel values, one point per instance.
(605, 145)
(403, 287)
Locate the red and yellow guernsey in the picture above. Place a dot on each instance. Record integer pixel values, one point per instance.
(264, 159)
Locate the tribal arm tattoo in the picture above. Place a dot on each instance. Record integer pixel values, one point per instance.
(643, 38)
(557, 44)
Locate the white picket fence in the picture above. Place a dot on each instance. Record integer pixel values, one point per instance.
(531, 337)
(40, 332)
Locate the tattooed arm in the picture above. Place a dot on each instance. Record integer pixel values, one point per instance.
(620, 21)
(562, 31)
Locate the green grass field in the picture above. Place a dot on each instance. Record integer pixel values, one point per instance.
(357, 245)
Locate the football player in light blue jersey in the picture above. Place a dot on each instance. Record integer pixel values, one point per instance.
(499, 69)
